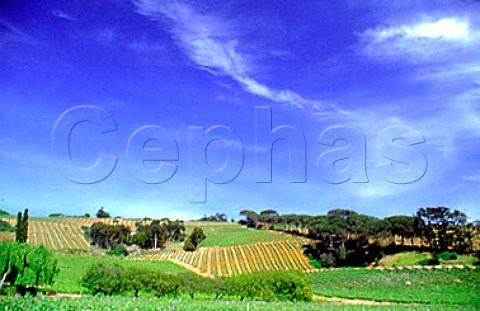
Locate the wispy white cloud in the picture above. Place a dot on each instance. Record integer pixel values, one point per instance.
(211, 44)
(63, 15)
(10, 33)
(420, 41)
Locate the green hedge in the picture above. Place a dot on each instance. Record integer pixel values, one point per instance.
(111, 278)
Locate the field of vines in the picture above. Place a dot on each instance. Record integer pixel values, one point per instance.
(66, 232)
(184, 303)
(238, 259)
(54, 234)
(444, 286)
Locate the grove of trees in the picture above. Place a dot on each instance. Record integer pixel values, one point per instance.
(148, 234)
(347, 238)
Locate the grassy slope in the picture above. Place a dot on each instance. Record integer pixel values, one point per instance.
(237, 235)
(436, 286)
(72, 268)
(414, 258)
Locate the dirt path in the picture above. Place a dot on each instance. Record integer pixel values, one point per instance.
(347, 301)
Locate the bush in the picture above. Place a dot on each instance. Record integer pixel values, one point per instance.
(106, 278)
(119, 250)
(5, 226)
(162, 284)
(327, 260)
(279, 285)
(447, 256)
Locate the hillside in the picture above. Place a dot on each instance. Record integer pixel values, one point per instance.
(229, 249)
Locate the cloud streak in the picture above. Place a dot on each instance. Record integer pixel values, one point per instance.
(421, 41)
(212, 45)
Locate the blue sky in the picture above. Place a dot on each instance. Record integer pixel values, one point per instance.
(372, 106)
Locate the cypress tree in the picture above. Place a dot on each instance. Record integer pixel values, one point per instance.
(18, 231)
(21, 233)
(25, 225)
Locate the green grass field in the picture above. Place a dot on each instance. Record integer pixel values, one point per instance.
(457, 286)
(415, 258)
(238, 235)
(145, 303)
(73, 267)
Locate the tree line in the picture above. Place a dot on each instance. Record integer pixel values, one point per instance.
(149, 234)
(347, 238)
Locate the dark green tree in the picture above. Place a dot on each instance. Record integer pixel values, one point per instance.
(442, 228)
(194, 239)
(401, 226)
(101, 213)
(21, 234)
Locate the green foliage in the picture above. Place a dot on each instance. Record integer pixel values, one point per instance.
(4, 213)
(279, 285)
(335, 252)
(156, 233)
(195, 238)
(56, 215)
(74, 267)
(119, 250)
(21, 234)
(5, 227)
(110, 278)
(108, 236)
(23, 265)
(153, 304)
(188, 245)
(101, 213)
(442, 228)
(402, 226)
(447, 256)
(106, 278)
(218, 217)
(408, 286)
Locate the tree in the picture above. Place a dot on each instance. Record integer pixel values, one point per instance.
(402, 226)
(196, 237)
(21, 234)
(25, 266)
(251, 218)
(442, 228)
(222, 217)
(102, 213)
(108, 236)
(156, 233)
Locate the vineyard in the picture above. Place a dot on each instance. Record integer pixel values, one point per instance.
(238, 259)
(456, 286)
(66, 232)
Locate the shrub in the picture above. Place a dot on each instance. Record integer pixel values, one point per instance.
(5, 226)
(447, 256)
(119, 250)
(135, 280)
(162, 284)
(104, 278)
(192, 284)
(327, 260)
(279, 285)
